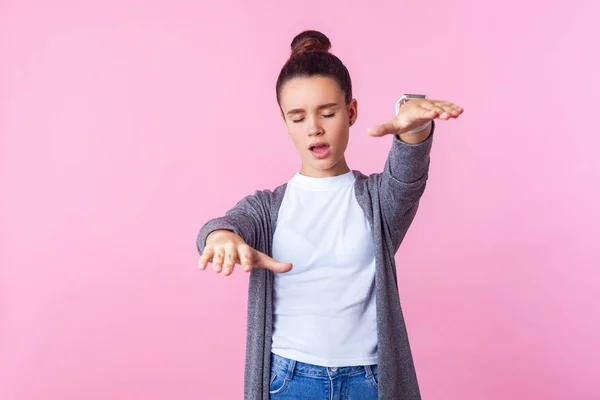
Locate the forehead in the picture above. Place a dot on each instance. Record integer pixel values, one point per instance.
(308, 92)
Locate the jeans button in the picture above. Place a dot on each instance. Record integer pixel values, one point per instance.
(333, 369)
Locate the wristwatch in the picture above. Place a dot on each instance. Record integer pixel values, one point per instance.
(406, 97)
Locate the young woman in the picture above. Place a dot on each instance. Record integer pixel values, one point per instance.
(324, 316)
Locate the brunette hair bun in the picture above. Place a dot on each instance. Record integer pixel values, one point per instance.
(311, 57)
(308, 42)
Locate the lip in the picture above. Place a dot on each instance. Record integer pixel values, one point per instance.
(319, 155)
(315, 144)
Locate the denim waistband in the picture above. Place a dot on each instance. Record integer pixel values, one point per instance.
(292, 367)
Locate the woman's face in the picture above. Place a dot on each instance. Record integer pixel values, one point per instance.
(318, 120)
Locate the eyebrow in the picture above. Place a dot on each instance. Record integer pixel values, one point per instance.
(301, 110)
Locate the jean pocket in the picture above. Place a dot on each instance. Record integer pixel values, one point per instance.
(374, 378)
(279, 382)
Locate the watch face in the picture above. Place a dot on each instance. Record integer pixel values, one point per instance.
(405, 97)
(415, 96)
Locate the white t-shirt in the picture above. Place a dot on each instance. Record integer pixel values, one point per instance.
(324, 309)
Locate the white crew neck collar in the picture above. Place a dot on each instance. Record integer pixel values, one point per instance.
(327, 183)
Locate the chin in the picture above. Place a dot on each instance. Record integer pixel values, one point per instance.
(325, 164)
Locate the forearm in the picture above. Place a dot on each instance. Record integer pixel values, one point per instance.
(409, 162)
(403, 182)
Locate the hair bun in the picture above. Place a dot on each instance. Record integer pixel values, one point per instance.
(310, 41)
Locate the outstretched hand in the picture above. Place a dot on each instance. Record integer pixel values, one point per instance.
(414, 113)
(226, 249)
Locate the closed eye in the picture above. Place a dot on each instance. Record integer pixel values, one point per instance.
(296, 121)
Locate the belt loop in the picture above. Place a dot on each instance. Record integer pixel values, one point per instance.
(369, 371)
(290, 372)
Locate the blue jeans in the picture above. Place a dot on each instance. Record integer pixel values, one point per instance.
(295, 380)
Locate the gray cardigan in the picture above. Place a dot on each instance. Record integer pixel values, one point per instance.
(389, 200)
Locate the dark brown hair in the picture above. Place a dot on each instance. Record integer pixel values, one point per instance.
(311, 57)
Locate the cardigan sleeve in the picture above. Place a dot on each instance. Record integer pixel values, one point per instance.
(247, 219)
(402, 184)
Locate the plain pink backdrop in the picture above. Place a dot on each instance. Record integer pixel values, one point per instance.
(126, 125)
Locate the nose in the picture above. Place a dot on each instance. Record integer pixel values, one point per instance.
(315, 129)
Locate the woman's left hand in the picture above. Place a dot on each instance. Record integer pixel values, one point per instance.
(414, 113)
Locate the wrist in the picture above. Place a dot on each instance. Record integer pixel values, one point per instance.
(216, 234)
(419, 128)
(418, 137)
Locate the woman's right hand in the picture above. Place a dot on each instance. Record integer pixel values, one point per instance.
(226, 249)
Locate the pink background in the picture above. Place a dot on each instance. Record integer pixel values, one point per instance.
(124, 127)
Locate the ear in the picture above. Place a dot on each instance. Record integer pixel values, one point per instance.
(353, 111)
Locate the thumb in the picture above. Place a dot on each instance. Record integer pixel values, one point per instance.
(264, 261)
(386, 129)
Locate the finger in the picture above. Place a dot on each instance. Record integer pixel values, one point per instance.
(449, 108)
(456, 110)
(439, 111)
(264, 261)
(384, 129)
(230, 259)
(425, 113)
(207, 254)
(245, 254)
(218, 259)
(454, 106)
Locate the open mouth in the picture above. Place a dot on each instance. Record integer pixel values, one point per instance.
(319, 150)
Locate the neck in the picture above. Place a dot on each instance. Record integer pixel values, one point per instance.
(340, 168)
